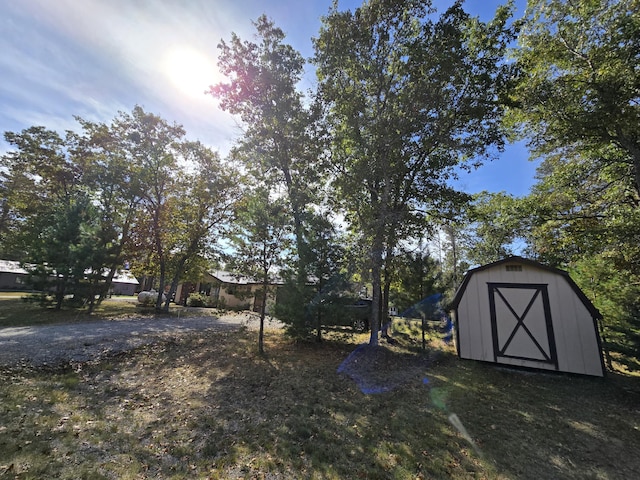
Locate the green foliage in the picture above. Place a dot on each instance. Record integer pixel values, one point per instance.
(198, 300)
(59, 228)
(495, 223)
(418, 275)
(278, 147)
(576, 99)
(260, 242)
(578, 83)
(293, 309)
(579, 209)
(409, 98)
(615, 291)
(260, 238)
(89, 202)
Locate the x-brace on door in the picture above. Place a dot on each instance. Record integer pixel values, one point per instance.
(521, 322)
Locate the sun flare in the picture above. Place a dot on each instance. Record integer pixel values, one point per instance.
(190, 71)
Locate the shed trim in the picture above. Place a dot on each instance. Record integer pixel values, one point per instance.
(501, 352)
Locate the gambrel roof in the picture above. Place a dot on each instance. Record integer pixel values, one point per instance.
(595, 313)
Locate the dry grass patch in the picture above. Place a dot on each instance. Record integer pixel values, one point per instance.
(15, 312)
(208, 406)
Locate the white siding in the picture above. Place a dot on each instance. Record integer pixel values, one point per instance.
(478, 341)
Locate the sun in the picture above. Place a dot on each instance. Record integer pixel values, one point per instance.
(190, 71)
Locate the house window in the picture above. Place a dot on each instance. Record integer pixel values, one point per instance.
(514, 268)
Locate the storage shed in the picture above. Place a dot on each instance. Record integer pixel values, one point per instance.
(519, 312)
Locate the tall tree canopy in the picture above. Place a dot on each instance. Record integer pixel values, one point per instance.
(52, 223)
(577, 99)
(262, 89)
(495, 223)
(579, 87)
(410, 98)
(79, 206)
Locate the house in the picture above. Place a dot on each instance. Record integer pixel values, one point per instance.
(124, 283)
(229, 290)
(241, 292)
(13, 277)
(204, 286)
(519, 312)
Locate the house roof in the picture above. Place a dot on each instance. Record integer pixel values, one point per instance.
(595, 313)
(228, 277)
(9, 266)
(237, 279)
(123, 276)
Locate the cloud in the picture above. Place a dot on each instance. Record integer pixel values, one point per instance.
(93, 58)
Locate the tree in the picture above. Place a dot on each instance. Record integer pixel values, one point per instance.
(153, 144)
(260, 242)
(38, 174)
(132, 190)
(208, 197)
(175, 192)
(410, 99)
(578, 209)
(323, 257)
(584, 217)
(578, 89)
(276, 146)
(495, 224)
(55, 226)
(113, 176)
(418, 274)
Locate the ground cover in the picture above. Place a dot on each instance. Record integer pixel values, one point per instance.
(15, 311)
(208, 406)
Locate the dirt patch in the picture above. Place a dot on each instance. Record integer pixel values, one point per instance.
(54, 345)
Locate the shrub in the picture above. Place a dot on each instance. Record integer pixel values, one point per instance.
(198, 300)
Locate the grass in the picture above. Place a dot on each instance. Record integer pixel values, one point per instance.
(15, 312)
(208, 406)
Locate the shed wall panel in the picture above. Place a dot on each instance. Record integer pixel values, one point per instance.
(480, 330)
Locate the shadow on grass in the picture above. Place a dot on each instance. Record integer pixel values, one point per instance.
(547, 425)
(208, 406)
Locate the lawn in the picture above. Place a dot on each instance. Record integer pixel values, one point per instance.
(15, 311)
(208, 406)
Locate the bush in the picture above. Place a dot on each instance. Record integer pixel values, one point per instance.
(198, 300)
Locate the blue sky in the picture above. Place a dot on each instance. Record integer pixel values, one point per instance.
(93, 58)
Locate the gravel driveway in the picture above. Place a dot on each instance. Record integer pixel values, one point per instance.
(53, 345)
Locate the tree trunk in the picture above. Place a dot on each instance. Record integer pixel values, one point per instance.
(296, 209)
(172, 290)
(319, 317)
(384, 310)
(161, 281)
(263, 314)
(60, 291)
(376, 280)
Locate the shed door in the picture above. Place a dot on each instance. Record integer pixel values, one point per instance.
(521, 322)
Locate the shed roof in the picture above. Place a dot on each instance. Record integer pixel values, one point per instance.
(595, 313)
